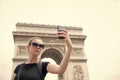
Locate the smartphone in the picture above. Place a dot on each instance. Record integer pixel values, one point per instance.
(60, 36)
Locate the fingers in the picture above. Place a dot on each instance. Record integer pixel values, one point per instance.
(63, 34)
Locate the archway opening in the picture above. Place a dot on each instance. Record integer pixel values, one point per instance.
(54, 56)
(50, 76)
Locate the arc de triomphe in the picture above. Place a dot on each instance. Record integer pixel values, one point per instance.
(77, 68)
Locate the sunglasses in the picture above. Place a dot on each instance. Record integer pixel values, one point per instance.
(36, 45)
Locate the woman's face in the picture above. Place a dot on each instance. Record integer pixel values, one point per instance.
(36, 47)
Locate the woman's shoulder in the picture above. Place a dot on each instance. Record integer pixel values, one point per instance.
(44, 63)
(21, 64)
(18, 67)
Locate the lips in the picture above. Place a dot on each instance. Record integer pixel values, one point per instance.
(37, 50)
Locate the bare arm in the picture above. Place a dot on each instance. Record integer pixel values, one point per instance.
(58, 69)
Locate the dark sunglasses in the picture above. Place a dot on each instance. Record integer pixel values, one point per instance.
(36, 45)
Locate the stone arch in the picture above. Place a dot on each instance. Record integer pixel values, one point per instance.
(53, 53)
(53, 48)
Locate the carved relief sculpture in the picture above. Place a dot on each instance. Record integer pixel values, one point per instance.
(78, 51)
(78, 72)
(21, 50)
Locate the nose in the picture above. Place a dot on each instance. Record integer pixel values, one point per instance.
(37, 46)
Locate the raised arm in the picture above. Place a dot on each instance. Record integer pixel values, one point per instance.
(58, 69)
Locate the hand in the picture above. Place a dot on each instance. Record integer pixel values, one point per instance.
(63, 35)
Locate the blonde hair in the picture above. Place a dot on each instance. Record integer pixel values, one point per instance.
(33, 38)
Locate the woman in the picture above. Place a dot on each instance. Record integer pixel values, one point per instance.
(29, 71)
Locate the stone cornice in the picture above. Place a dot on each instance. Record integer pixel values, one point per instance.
(78, 59)
(47, 26)
(71, 59)
(19, 59)
(19, 33)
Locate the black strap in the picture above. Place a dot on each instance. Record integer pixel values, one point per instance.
(39, 66)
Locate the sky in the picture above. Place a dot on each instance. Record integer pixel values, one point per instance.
(100, 20)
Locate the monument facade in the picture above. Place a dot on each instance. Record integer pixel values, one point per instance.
(77, 68)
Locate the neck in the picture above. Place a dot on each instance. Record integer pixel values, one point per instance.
(33, 59)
